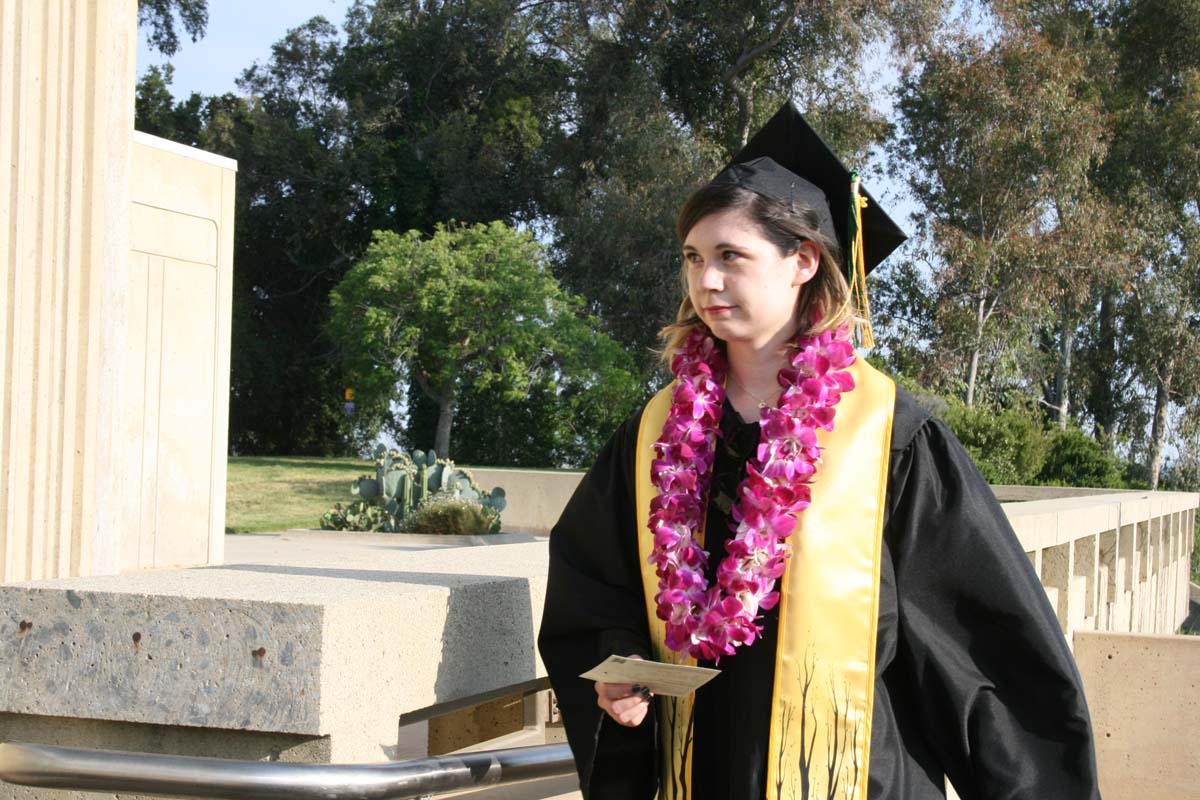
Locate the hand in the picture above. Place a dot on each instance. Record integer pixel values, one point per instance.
(626, 703)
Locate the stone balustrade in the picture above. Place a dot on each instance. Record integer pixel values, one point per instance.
(1111, 562)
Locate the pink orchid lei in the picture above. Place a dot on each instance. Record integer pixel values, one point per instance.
(712, 621)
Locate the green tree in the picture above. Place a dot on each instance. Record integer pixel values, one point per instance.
(299, 229)
(1076, 459)
(454, 110)
(471, 311)
(663, 94)
(160, 16)
(995, 134)
(1009, 447)
(1155, 159)
(156, 111)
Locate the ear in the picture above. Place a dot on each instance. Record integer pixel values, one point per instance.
(808, 261)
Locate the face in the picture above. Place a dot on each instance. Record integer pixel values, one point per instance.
(740, 284)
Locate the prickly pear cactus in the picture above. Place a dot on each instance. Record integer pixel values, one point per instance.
(404, 483)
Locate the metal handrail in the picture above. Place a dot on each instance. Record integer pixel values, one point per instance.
(190, 776)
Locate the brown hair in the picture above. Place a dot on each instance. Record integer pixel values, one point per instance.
(784, 226)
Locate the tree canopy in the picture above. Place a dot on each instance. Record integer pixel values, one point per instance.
(165, 18)
(471, 310)
(1050, 148)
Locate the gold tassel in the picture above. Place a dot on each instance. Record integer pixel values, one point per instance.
(858, 275)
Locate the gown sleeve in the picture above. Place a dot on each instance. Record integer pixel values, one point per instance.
(996, 690)
(594, 609)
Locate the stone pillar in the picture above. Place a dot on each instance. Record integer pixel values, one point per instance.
(67, 72)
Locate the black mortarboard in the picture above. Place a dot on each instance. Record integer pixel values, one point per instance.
(788, 161)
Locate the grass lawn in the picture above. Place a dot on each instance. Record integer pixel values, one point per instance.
(274, 493)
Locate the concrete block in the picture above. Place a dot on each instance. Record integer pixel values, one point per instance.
(159, 659)
(313, 634)
(1143, 692)
(1056, 574)
(468, 726)
(1083, 582)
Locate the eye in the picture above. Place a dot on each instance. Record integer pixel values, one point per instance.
(730, 255)
(692, 257)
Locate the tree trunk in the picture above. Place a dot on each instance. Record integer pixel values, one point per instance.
(745, 114)
(1158, 430)
(973, 372)
(441, 437)
(1102, 401)
(1064, 376)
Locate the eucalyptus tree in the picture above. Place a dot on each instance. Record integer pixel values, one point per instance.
(1000, 136)
(454, 108)
(1155, 158)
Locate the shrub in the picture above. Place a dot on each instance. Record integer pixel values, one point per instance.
(450, 515)
(1076, 459)
(1009, 447)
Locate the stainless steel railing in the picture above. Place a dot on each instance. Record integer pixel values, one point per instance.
(187, 776)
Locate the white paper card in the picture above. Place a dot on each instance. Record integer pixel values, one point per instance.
(672, 680)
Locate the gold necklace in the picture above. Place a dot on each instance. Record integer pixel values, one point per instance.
(761, 403)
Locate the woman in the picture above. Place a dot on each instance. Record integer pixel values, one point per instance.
(782, 512)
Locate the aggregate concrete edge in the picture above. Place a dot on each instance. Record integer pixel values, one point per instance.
(290, 644)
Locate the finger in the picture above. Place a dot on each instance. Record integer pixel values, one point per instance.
(607, 696)
(614, 691)
(632, 717)
(627, 704)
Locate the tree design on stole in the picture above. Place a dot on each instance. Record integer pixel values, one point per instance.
(838, 778)
(677, 747)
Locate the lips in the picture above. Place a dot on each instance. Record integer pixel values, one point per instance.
(717, 309)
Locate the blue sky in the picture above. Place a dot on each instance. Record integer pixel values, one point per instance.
(240, 32)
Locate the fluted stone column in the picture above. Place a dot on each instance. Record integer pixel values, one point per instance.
(67, 74)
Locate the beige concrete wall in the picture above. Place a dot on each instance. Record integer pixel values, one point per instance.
(66, 115)
(535, 497)
(179, 307)
(114, 309)
(1143, 695)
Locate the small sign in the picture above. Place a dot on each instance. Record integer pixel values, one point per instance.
(672, 680)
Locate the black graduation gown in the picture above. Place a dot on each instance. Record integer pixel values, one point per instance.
(973, 676)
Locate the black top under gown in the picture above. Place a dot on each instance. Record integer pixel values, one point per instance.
(973, 676)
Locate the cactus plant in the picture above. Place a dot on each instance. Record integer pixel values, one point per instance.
(403, 483)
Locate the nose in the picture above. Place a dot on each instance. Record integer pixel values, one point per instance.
(710, 278)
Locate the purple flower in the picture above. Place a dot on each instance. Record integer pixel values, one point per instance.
(712, 621)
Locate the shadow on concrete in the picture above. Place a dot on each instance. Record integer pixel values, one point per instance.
(449, 580)
(461, 541)
(489, 641)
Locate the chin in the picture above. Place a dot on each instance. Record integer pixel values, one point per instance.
(719, 327)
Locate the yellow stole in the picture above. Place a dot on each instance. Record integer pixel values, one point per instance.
(828, 614)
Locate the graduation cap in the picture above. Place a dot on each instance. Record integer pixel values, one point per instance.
(787, 160)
